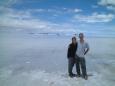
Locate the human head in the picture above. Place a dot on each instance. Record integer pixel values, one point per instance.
(81, 35)
(74, 40)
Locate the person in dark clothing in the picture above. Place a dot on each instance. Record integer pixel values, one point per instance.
(71, 56)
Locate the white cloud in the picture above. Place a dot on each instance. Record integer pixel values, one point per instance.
(41, 25)
(7, 3)
(24, 19)
(37, 10)
(95, 18)
(77, 10)
(94, 6)
(14, 14)
(61, 10)
(111, 8)
(20, 20)
(109, 4)
(70, 10)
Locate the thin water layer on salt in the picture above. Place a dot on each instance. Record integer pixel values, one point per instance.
(28, 60)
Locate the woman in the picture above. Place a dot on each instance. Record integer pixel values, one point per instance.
(71, 56)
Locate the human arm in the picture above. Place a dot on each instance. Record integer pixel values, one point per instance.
(87, 49)
(68, 51)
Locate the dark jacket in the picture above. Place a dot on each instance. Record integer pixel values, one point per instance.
(72, 50)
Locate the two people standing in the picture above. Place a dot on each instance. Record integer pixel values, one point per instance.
(76, 55)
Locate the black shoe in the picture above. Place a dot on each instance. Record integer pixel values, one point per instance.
(78, 75)
(85, 77)
(72, 75)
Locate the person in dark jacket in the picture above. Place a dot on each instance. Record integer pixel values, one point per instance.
(71, 56)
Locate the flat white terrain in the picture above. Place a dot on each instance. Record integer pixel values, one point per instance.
(41, 60)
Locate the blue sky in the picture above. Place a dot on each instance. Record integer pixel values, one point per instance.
(93, 17)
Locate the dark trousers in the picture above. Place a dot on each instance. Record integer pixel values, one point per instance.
(71, 62)
(80, 63)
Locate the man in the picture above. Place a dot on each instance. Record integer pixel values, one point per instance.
(82, 50)
(71, 56)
